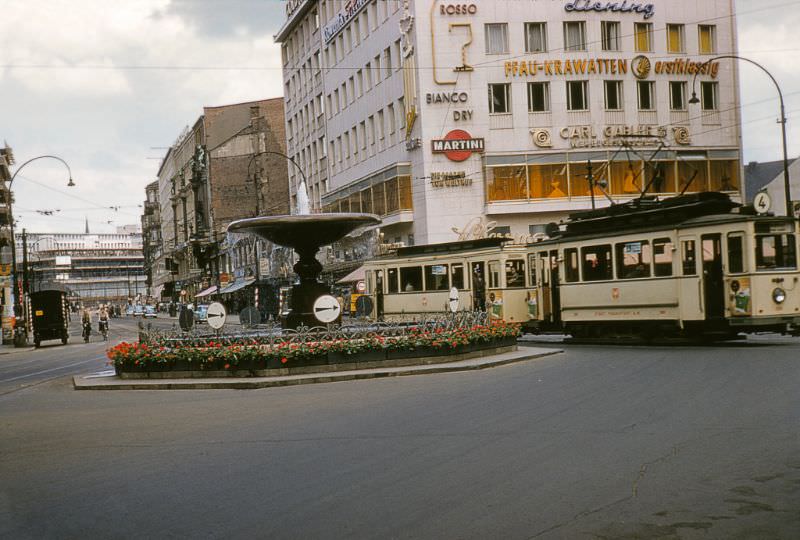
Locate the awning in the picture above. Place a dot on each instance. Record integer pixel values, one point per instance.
(359, 274)
(210, 290)
(236, 285)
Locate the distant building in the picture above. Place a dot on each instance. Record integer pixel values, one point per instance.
(769, 177)
(6, 303)
(152, 247)
(758, 175)
(95, 268)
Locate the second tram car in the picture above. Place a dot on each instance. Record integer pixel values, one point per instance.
(695, 265)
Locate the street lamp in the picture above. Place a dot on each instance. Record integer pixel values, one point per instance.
(284, 156)
(17, 306)
(694, 100)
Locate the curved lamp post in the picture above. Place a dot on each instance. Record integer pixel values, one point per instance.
(694, 100)
(14, 281)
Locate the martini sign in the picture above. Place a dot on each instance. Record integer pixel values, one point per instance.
(458, 145)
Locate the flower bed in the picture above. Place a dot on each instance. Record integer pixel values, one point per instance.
(254, 354)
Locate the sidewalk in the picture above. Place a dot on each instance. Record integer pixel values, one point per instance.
(10, 349)
(107, 380)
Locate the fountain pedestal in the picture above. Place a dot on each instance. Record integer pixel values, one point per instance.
(305, 234)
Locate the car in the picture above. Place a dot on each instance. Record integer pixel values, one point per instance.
(129, 311)
(201, 313)
(138, 311)
(150, 311)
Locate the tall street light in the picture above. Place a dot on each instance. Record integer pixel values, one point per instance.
(19, 336)
(694, 100)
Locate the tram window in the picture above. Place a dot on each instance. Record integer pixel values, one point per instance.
(775, 251)
(391, 281)
(411, 278)
(515, 274)
(457, 276)
(735, 254)
(494, 275)
(689, 258)
(436, 277)
(532, 269)
(545, 271)
(597, 265)
(663, 249)
(571, 274)
(633, 260)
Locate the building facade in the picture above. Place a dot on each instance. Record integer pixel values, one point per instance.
(152, 247)
(94, 268)
(6, 245)
(452, 119)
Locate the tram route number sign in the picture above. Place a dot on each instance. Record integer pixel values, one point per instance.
(453, 300)
(327, 309)
(216, 315)
(762, 202)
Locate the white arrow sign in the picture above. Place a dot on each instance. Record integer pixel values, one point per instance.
(216, 315)
(453, 301)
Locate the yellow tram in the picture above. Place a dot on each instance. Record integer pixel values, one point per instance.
(693, 265)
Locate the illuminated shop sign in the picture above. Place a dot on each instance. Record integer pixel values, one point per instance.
(608, 66)
(648, 10)
(337, 24)
(450, 179)
(458, 145)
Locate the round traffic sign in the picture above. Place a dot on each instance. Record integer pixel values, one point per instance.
(363, 306)
(453, 300)
(361, 286)
(327, 309)
(216, 315)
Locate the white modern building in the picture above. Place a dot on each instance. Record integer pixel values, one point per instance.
(449, 118)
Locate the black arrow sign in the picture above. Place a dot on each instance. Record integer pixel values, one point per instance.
(214, 315)
(317, 310)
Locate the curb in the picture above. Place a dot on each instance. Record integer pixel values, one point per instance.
(249, 383)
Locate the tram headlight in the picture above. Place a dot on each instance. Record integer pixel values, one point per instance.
(778, 295)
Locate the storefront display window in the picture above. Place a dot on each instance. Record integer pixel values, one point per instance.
(579, 178)
(724, 175)
(693, 173)
(548, 181)
(507, 183)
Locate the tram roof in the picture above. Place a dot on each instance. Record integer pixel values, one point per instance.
(449, 247)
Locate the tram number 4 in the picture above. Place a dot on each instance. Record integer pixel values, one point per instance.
(762, 202)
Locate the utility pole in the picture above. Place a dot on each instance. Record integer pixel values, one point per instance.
(590, 178)
(25, 278)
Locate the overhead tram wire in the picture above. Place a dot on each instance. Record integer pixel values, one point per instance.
(76, 197)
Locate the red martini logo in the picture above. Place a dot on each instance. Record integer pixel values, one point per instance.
(458, 145)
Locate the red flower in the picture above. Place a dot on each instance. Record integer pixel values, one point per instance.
(284, 360)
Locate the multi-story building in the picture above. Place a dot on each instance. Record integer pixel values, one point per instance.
(94, 268)
(6, 245)
(152, 248)
(227, 166)
(449, 119)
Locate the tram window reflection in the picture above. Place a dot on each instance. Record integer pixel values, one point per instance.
(633, 260)
(689, 258)
(735, 254)
(494, 275)
(457, 276)
(776, 251)
(597, 265)
(436, 277)
(411, 278)
(571, 274)
(663, 249)
(515, 274)
(391, 280)
(532, 269)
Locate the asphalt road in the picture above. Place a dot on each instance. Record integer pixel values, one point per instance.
(598, 442)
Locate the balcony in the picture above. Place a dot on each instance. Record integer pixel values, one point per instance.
(501, 121)
(648, 118)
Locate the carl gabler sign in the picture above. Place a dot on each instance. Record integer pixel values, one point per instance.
(458, 145)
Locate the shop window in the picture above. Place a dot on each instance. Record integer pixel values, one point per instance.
(675, 38)
(659, 176)
(724, 175)
(776, 251)
(515, 274)
(610, 31)
(494, 274)
(626, 178)
(663, 250)
(496, 38)
(539, 97)
(692, 176)
(457, 276)
(548, 181)
(536, 37)
(405, 193)
(391, 281)
(643, 37)
(577, 95)
(633, 260)
(379, 199)
(411, 279)
(507, 183)
(689, 258)
(392, 196)
(596, 263)
(579, 178)
(436, 277)
(735, 253)
(571, 272)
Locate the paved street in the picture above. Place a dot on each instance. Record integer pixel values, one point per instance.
(611, 442)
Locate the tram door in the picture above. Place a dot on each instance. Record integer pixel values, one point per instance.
(478, 271)
(555, 292)
(713, 282)
(551, 297)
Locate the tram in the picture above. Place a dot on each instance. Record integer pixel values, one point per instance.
(698, 265)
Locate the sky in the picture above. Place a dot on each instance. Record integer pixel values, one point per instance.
(108, 85)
